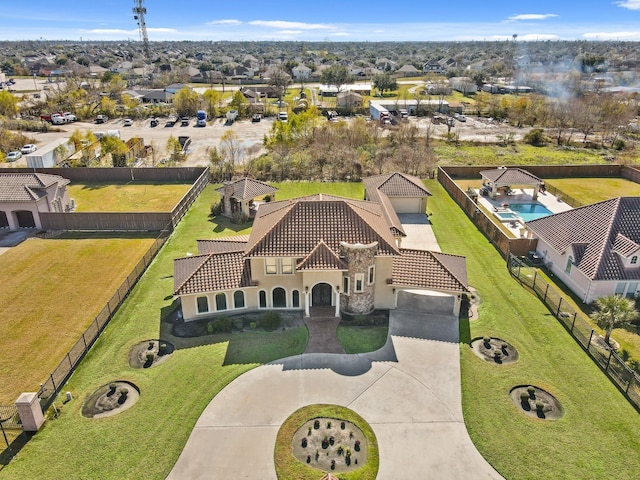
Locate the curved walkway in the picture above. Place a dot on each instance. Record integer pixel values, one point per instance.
(409, 391)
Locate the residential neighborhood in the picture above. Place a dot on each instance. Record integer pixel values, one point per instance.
(319, 259)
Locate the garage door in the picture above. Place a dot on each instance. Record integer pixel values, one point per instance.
(420, 301)
(407, 205)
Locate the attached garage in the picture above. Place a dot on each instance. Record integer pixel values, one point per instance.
(406, 193)
(409, 205)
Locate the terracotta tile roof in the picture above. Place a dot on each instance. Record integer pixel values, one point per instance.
(508, 176)
(624, 245)
(432, 270)
(592, 233)
(236, 243)
(396, 185)
(322, 258)
(27, 187)
(390, 214)
(211, 273)
(248, 188)
(293, 228)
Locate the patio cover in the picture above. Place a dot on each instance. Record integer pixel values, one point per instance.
(502, 177)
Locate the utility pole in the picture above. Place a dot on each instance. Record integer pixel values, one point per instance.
(139, 11)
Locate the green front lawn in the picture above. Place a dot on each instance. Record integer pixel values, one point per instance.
(362, 339)
(599, 435)
(301, 189)
(145, 441)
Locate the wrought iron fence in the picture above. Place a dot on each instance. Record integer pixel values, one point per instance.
(609, 361)
(9, 418)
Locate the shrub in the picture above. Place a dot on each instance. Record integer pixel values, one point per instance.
(162, 349)
(531, 391)
(504, 347)
(308, 458)
(304, 442)
(112, 386)
(356, 447)
(497, 355)
(539, 406)
(332, 440)
(150, 356)
(487, 341)
(328, 424)
(624, 354)
(124, 392)
(220, 325)
(239, 218)
(340, 450)
(535, 137)
(619, 144)
(325, 442)
(238, 324)
(253, 325)
(524, 397)
(316, 424)
(271, 320)
(216, 209)
(342, 425)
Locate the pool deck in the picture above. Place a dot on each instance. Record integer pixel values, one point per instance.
(523, 195)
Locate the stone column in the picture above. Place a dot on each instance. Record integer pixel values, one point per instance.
(226, 199)
(337, 290)
(30, 412)
(306, 301)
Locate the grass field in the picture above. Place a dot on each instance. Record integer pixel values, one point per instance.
(600, 431)
(51, 290)
(127, 197)
(592, 190)
(300, 189)
(362, 339)
(520, 154)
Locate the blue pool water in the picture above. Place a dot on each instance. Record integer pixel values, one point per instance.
(530, 211)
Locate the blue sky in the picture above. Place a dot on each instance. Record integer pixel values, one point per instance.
(345, 20)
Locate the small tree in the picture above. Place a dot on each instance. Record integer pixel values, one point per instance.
(186, 101)
(336, 75)
(280, 80)
(613, 311)
(384, 81)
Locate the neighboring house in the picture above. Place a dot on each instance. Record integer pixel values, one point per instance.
(433, 66)
(408, 70)
(156, 96)
(406, 193)
(301, 72)
(238, 196)
(349, 99)
(315, 251)
(24, 195)
(595, 249)
(176, 87)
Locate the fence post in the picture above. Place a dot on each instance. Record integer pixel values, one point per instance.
(84, 340)
(575, 314)
(545, 296)
(535, 277)
(559, 305)
(70, 362)
(53, 383)
(609, 360)
(590, 337)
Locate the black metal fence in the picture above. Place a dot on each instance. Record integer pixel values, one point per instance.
(9, 417)
(68, 364)
(616, 369)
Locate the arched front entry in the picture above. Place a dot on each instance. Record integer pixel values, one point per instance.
(4, 221)
(321, 295)
(25, 219)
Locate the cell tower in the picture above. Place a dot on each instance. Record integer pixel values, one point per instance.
(139, 11)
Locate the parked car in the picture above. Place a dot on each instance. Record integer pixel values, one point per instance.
(184, 122)
(154, 122)
(283, 116)
(101, 119)
(13, 156)
(256, 117)
(28, 148)
(69, 117)
(127, 122)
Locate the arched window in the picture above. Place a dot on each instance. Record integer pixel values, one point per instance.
(279, 298)
(221, 301)
(203, 304)
(238, 299)
(295, 299)
(262, 296)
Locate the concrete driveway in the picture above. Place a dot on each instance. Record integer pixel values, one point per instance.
(408, 391)
(419, 232)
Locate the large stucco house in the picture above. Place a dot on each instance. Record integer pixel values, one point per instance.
(319, 250)
(594, 249)
(23, 196)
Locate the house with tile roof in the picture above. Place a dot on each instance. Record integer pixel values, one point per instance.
(405, 193)
(24, 195)
(315, 251)
(594, 249)
(238, 196)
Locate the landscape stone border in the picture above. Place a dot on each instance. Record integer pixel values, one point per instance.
(111, 399)
(496, 351)
(537, 403)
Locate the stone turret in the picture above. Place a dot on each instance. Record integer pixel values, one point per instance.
(361, 295)
(226, 199)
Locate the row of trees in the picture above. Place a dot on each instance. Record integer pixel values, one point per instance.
(307, 148)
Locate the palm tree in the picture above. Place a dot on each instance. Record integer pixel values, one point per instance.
(613, 311)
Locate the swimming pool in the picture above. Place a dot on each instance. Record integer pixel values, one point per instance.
(530, 211)
(506, 216)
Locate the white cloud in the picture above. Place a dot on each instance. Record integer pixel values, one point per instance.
(161, 30)
(630, 4)
(532, 16)
(290, 32)
(613, 36)
(110, 31)
(229, 21)
(288, 25)
(340, 34)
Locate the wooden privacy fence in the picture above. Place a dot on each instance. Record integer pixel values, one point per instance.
(124, 174)
(92, 221)
(607, 359)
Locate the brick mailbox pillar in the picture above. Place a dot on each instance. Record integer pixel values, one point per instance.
(30, 412)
